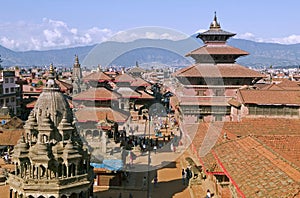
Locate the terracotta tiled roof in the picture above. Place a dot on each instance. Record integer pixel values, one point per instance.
(124, 78)
(219, 70)
(139, 82)
(264, 126)
(205, 135)
(13, 123)
(286, 145)
(289, 85)
(257, 171)
(136, 70)
(271, 87)
(97, 76)
(218, 49)
(64, 86)
(269, 97)
(97, 114)
(234, 103)
(10, 137)
(127, 92)
(100, 93)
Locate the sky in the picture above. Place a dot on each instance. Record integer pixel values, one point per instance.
(51, 24)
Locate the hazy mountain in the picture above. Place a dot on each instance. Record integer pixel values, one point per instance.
(59, 57)
(266, 54)
(148, 52)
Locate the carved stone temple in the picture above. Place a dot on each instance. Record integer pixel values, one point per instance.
(50, 158)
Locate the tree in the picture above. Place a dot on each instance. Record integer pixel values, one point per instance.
(40, 83)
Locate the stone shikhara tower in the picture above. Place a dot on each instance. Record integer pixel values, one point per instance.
(50, 158)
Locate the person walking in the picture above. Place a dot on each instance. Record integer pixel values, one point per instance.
(144, 182)
(188, 175)
(155, 180)
(208, 194)
(155, 148)
(183, 174)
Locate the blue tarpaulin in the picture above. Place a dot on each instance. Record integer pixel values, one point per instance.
(109, 164)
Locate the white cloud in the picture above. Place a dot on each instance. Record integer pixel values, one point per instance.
(287, 40)
(148, 33)
(49, 34)
(247, 35)
(292, 39)
(10, 43)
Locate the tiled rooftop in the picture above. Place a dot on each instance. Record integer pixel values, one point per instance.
(289, 97)
(263, 126)
(219, 70)
(10, 137)
(97, 76)
(100, 93)
(127, 92)
(218, 49)
(285, 145)
(139, 82)
(99, 114)
(124, 78)
(257, 171)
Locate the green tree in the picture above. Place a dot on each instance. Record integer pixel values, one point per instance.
(40, 83)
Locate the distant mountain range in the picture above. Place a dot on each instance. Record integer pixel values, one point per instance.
(151, 52)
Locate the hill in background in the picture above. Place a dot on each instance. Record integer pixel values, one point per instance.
(106, 53)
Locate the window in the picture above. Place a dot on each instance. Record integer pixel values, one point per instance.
(219, 92)
(12, 80)
(201, 92)
(7, 100)
(12, 99)
(12, 89)
(6, 80)
(218, 118)
(6, 90)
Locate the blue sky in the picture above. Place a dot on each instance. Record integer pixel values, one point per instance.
(47, 24)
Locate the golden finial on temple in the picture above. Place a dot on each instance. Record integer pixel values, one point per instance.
(51, 69)
(215, 24)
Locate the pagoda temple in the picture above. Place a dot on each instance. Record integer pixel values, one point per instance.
(50, 159)
(206, 86)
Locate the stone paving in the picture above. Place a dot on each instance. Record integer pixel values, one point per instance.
(169, 183)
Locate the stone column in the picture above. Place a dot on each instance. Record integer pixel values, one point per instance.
(67, 170)
(38, 172)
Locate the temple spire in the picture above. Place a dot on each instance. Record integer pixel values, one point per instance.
(215, 24)
(76, 63)
(51, 78)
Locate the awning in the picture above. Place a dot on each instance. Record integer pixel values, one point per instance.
(109, 164)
